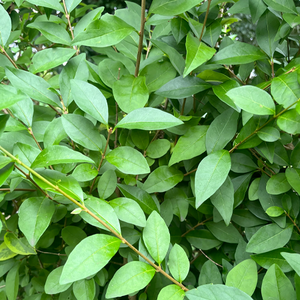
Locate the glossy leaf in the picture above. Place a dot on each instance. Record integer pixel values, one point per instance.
(81, 262)
(18, 245)
(293, 178)
(130, 92)
(268, 238)
(162, 179)
(148, 118)
(84, 289)
(269, 134)
(85, 172)
(211, 174)
(293, 260)
(179, 264)
(34, 218)
(278, 184)
(243, 276)
(253, 100)
(107, 184)
(12, 282)
(156, 237)
(5, 26)
(289, 121)
(130, 278)
(171, 292)
(52, 285)
(128, 160)
(158, 148)
(274, 211)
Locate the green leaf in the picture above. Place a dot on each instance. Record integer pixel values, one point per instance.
(179, 263)
(54, 4)
(197, 54)
(72, 235)
(203, 239)
(52, 285)
(257, 8)
(72, 4)
(16, 245)
(286, 6)
(5, 26)
(289, 122)
(209, 274)
(274, 211)
(34, 86)
(211, 174)
(158, 148)
(243, 276)
(228, 234)
(269, 237)
(293, 260)
(156, 237)
(90, 100)
(66, 183)
(108, 31)
(293, 178)
(23, 110)
(53, 32)
(221, 130)
(50, 58)
(5, 172)
(107, 184)
(103, 211)
(278, 184)
(170, 7)
(81, 264)
(128, 211)
(242, 163)
(5, 252)
(131, 92)
(190, 145)
(85, 172)
(238, 53)
(162, 179)
(84, 289)
(9, 95)
(34, 218)
(148, 118)
(266, 30)
(216, 292)
(171, 292)
(12, 282)
(129, 279)
(253, 100)
(223, 200)
(140, 196)
(269, 134)
(128, 160)
(59, 155)
(276, 285)
(180, 87)
(82, 131)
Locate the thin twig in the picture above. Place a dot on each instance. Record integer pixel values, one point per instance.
(44, 252)
(205, 19)
(5, 53)
(193, 228)
(190, 172)
(210, 258)
(141, 34)
(23, 190)
(264, 164)
(233, 74)
(292, 221)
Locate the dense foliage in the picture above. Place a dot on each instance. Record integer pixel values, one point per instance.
(165, 164)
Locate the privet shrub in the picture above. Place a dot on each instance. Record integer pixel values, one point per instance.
(149, 156)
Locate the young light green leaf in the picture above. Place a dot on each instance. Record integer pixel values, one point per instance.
(274, 211)
(156, 237)
(5, 26)
(129, 279)
(190, 145)
(81, 262)
(171, 292)
(158, 148)
(128, 211)
(269, 237)
(131, 92)
(128, 160)
(59, 155)
(180, 87)
(55, 33)
(18, 245)
(90, 100)
(278, 184)
(34, 86)
(276, 285)
(179, 264)
(238, 53)
(12, 282)
(84, 289)
(221, 130)
(269, 134)
(211, 174)
(197, 54)
(216, 292)
(9, 95)
(103, 211)
(5, 252)
(109, 30)
(243, 276)
(52, 285)
(162, 179)
(50, 58)
(253, 100)
(85, 172)
(223, 200)
(148, 118)
(293, 260)
(82, 131)
(34, 218)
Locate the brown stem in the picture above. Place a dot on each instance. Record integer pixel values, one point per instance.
(141, 34)
(233, 74)
(102, 158)
(210, 258)
(44, 252)
(264, 164)
(272, 66)
(205, 19)
(193, 228)
(183, 106)
(292, 221)
(190, 172)
(5, 53)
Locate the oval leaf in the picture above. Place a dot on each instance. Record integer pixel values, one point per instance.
(5, 26)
